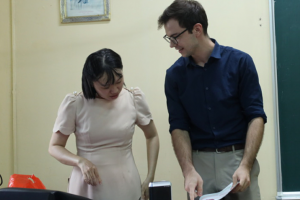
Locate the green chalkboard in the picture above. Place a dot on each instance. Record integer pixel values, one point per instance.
(287, 30)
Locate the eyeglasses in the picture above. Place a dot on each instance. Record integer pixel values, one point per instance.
(173, 39)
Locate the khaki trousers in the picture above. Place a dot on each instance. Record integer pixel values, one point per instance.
(216, 170)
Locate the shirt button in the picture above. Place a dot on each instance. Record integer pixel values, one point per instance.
(209, 108)
(205, 69)
(206, 88)
(214, 128)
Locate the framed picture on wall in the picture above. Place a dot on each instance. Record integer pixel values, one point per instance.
(84, 10)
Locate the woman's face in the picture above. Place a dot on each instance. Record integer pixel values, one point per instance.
(110, 91)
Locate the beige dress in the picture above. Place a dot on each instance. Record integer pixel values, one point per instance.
(104, 131)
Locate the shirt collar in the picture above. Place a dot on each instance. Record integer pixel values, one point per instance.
(216, 53)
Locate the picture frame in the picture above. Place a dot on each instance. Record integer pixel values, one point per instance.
(84, 10)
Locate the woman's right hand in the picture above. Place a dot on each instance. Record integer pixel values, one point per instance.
(57, 150)
(89, 172)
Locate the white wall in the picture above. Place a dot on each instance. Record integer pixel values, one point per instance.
(6, 145)
(48, 59)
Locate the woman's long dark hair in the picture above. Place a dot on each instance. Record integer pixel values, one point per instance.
(104, 61)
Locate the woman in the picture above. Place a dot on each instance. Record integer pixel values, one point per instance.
(103, 119)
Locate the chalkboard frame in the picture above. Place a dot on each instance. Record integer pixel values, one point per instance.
(280, 193)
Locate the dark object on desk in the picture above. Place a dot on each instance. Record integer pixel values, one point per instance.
(1, 181)
(36, 194)
(160, 190)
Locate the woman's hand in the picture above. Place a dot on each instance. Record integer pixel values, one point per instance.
(152, 142)
(89, 172)
(145, 189)
(57, 150)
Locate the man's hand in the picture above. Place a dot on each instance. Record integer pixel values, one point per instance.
(253, 140)
(183, 150)
(241, 175)
(193, 184)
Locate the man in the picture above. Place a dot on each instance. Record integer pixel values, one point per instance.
(215, 107)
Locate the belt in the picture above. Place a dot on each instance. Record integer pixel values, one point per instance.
(223, 149)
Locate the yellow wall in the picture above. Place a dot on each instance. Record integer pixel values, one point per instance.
(6, 145)
(48, 59)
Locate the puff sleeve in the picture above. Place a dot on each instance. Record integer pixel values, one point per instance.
(142, 109)
(65, 121)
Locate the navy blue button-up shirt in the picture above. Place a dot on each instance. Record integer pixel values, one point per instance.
(214, 102)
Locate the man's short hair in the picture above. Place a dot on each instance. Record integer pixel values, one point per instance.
(187, 13)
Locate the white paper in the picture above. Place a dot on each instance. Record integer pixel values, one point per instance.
(218, 195)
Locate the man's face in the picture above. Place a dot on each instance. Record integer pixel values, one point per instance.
(186, 42)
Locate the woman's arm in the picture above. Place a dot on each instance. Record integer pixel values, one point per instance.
(57, 150)
(152, 154)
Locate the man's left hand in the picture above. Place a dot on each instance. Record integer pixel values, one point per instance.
(241, 175)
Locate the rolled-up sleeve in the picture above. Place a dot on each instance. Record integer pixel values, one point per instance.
(249, 91)
(178, 118)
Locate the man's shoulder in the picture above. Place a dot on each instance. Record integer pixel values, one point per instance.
(236, 58)
(236, 53)
(178, 66)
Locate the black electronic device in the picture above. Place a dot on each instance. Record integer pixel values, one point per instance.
(160, 190)
(36, 194)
